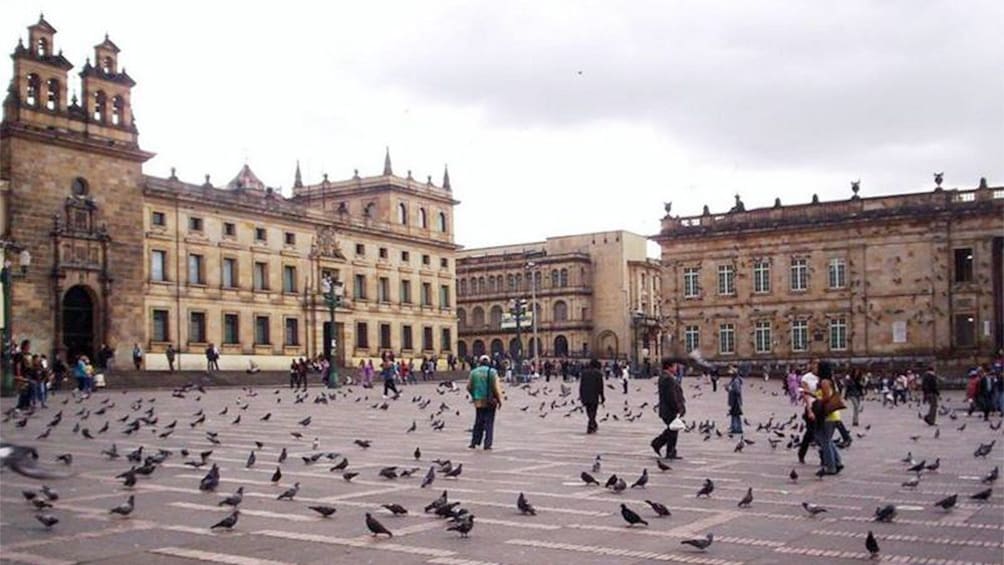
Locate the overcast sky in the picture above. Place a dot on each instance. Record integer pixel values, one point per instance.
(561, 117)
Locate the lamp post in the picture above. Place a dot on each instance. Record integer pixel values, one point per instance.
(531, 268)
(636, 318)
(6, 278)
(517, 309)
(333, 291)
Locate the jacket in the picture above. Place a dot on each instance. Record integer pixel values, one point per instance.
(735, 389)
(483, 386)
(591, 387)
(671, 402)
(929, 384)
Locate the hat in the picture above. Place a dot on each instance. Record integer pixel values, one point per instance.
(484, 359)
(810, 381)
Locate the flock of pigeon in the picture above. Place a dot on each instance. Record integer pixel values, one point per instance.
(143, 461)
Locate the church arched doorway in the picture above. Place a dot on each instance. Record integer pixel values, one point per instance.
(78, 323)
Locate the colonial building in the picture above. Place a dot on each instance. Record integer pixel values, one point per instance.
(910, 278)
(592, 294)
(121, 257)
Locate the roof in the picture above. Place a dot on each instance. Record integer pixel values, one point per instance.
(246, 179)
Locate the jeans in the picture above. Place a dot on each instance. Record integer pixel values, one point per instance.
(824, 437)
(591, 414)
(932, 409)
(388, 384)
(484, 425)
(736, 426)
(39, 392)
(855, 407)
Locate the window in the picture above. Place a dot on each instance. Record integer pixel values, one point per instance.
(800, 335)
(261, 331)
(692, 338)
(42, 48)
(554, 278)
(444, 296)
(197, 327)
(427, 338)
(560, 311)
(79, 187)
(194, 223)
(260, 276)
(426, 294)
(100, 103)
(405, 257)
(510, 282)
(290, 238)
(726, 280)
(360, 250)
(462, 291)
(536, 280)
(761, 277)
(965, 330)
(477, 317)
(195, 271)
(445, 343)
(158, 262)
(691, 289)
(405, 291)
(289, 279)
(359, 287)
(762, 337)
(362, 336)
(426, 260)
(442, 222)
(726, 339)
(402, 214)
(563, 278)
(31, 95)
(228, 276)
(799, 274)
(160, 326)
(158, 219)
(384, 336)
(292, 334)
(383, 290)
(964, 265)
(423, 219)
(382, 252)
(406, 343)
(231, 329)
(52, 94)
(260, 235)
(496, 316)
(838, 334)
(837, 270)
(118, 105)
(229, 229)
(444, 263)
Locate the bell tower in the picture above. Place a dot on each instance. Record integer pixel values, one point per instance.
(38, 88)
(106, 93)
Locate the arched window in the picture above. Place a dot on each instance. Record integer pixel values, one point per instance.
(31, 93)
(554, 278)
(462, 349)
(497, 347)
(463, 287)
(477, 318)
(100, 102)
(478, 349)
(519, 282)
(106, 65)
(42, 47)
(496, 317)
(79, 186)
(560, 311)
(564, 277)
(461, 317)
(491, 283)
(510, 282)
(481, 285)
(117, 106)
(536, 280)
(52, 94)
(442, 222)
(423, 219)
(515, 347)
(402, 214)
(474, 285)
(561, 346)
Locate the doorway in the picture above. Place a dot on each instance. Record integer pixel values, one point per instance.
(78, 323)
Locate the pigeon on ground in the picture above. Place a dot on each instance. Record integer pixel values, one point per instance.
(418, 453)
(984, 449)
(126, 507)
(289, 493)
(948, 502)
(227, 523)
(324, 511)
(234, 499)
(283, 455)
(642, 480)
(620, 486)
(885, 513)
(388, 472)
(276, 475)
(588, 479)
(396, 509)
(211, 480)
(66, 458)
(363, 443)
(49, 493)
(29, 495)
(918, 467)
(429, 477)
(747, 500)
(912, 482)
(983, 494)
(991, 476)
(872, 545)
(349, 475)
(631, 517)
(707, 489)
(305, 422)
(47, 520)
(813, 509)
(934, 466)
(611, 481)
(659, 508)
(250, 461)
(524, 506)
(376, 527)
(464, 525)
(341, 465)
(41, 504)
(700, 543)
(455, 472)
(793, 475)
(662, 466)
(437, 503)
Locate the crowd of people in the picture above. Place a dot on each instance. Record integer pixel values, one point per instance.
(35, 377)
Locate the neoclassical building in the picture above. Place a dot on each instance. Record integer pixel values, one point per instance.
(910, 278)
(596, 294)
(121, 257)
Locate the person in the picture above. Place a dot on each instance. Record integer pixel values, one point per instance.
(929, 388)
(591, 393)
(854, 390)
(483, 386)
(794, 387)
(137, 356)
(209, 358)
(170, 353)
(58, 373)
(83, 372)
(985, 393)
(23, 375)
(368, 374)
(825, 414)
(39, 377)
(671, 406)
(301, 373)
(389, 373)
(808, 385)
(625, 377)
(899, 390)
(735, 399)
(714, 381)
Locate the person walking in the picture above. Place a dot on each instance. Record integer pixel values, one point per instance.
(826, 413)
(714, 381)
(671, 406)
(137, 356)
(486, 394)
(808, 384)
(985, 393)
(929, 388)
(23, 375)
(170, 353)
(389, 374)
(735, 400)
(854, 390)
(625, 376)
(591, 393)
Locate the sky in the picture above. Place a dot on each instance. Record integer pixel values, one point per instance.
(558, 118)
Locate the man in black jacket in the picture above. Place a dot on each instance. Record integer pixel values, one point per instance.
(591, 392)
(671, 405)
(929, 386)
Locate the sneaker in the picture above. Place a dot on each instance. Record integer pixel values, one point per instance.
(675, 456)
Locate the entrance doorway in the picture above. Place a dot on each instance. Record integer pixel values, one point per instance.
(78, 323)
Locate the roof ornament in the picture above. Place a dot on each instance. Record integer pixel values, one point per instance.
(297, 179)
(983, 182)
(815, 198)
(938, 178)
(777, 202)
(855, 188)
(446, 177)
(387, 171)
(207, 184)
(174, 175)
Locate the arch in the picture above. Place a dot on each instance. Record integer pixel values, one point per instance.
(536, 279)
(32, 87)
(561, 346)
(497, 347)
(42, 47)
(564, 278)
(462, 349)
(423, 219)
(516, 347)
(519, 281)
(510, 282)
(402, 214)
(559, 312)
(52, 94)
(368, 209)
(495, 316)
(100, 106)
(118, 107)
(554, 278)
(442, 222)
(462, 317)
(491, 283)
(478, 318)
(478, 348)
(533, 346)
(481, 285)
(608, 345)
(79, 322)
(79, 187)
(463, 287)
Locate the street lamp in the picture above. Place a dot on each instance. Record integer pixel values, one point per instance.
(531, 268)
(636, 318)
(517, 308)
(333, 291)
(6, 278)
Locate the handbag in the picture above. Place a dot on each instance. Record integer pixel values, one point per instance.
(832, 404)
(677, 424)
(493, 401)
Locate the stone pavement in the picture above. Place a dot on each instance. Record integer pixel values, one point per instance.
(539, 453)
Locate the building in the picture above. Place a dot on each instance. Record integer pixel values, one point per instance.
(121, 257)
(596, 294)
(905, 278)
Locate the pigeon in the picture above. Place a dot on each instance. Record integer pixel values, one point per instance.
(29, 495)
(659, 508)
(251, 460)
(948, 502)
(631, 517)
(437, 503)
(126, 507)
(47, 520)
(524, 506)
(283, 455)
(376, 527)
(429, 477)
(747, 500)
(111, 453)
(265, 417)
(908, 459)
(324, 511)
(934, 466)
(983, 494)
(588, 479)
(229, 522)
(699, 543)
(642, 480)
(40, 504)
(234, 499)
(211, 480)
(388, 472)
(662, 466)
(396, 509)
(464, 526)
(66, 458)
(363, 443)
(620, 486)
(991, 476)
(984, 449)
(455, 472)
(885, 513)
(707, 489)
(918, 467)
(289, 493)
(872, 545)
(611, 481)
(276, 475)
(349, 475)
(813, 509)
(414, 426)
(341, 465)
(793, 475)
(49, 493)
(418, 453)
(912, 482)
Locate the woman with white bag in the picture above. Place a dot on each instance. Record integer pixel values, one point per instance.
(672, 408)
